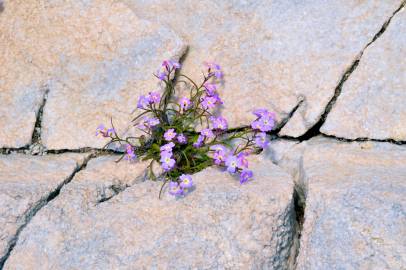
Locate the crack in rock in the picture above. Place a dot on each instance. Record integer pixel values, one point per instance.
(286, 119)
(299, 200)
(30, 214)
(341, 139)
(36, 134)
(315, 129)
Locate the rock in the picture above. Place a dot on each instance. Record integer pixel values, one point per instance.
(274, 53)
(25, 184)
(97, 57)
(218, 225)
(372, 101)
(355, 208)
(21, 90)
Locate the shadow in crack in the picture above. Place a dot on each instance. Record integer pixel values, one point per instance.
(1, 6)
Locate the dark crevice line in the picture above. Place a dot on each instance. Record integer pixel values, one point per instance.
(116, 189)
(299, 201)
(364, 139)
(286, 119)
(36, 134)
(84, 150)
(30, 214)
(315, 129)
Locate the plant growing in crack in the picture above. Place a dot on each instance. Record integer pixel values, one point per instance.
(185, 135)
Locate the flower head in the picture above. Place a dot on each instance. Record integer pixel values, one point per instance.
(266, 123)
(105, 132)
(231, 163)
(207, 133)
(186, 181)
(210, 88)
(148, 123)
(175, 189)
(199, 142)
(167, 162)
(214, 69)
(219, 122)
(167, 67)
(167, 147)
(263, 112)
(261, 140)
(182, 139)
(242, 161)
(219, 157)
(245, 176)
(169, 134)
(184, 103)
(209, 102)
(130, 155)
(143, 102)
(218, 147)
(154, 97)
(170, 64)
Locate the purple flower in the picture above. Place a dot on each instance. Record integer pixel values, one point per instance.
(154, 97)
(209, 102)
(256, 124)
(263, 112)
(186, 181)
(245, 176)
(160, 75)
(261, 140)
(218, 147)
(219, 157)
(231, 163)
(219, 122)
(175, 189)
(199, 141)
(152, 122)
(207, 133)
(266, 123)
(102, 130)
(130, 155)
(167, 147)
(167, 162)
(169, 134)
(218, 99)
(148, 122)
(184, 103)
(170, 64)
(214, 69)
(143, 102)
(166, 67)
(182, 139)
(210, 88)
(242, 161)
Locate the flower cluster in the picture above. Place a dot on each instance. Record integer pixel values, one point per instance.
(170, 137)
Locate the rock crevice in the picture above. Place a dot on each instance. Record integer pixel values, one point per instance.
(315, 129)
(37, 206)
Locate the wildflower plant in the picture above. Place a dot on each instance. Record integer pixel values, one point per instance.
(184, 135)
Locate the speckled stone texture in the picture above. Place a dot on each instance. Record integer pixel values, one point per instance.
(21, 88)
(274, 53)
(355, 208)
(25, 184)
(372, 103)
(219, 225)
(97, 58)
